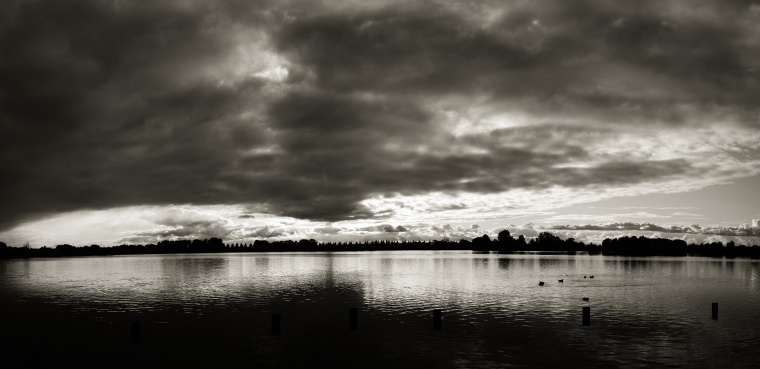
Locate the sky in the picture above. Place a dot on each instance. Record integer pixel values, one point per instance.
(139, 121)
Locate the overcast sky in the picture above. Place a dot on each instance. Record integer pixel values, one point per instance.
(134, 121)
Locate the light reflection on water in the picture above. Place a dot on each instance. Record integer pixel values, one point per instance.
(214, 309)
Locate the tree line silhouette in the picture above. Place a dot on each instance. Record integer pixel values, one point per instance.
(505, 243)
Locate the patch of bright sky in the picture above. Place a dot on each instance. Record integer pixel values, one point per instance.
(727, 204)
(95, 226)
(109, 226)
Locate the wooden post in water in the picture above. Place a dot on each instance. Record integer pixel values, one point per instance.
(276, 324)
(135, 333)
(715, 311)
(352, 319)
(587, 316)
(437, 319)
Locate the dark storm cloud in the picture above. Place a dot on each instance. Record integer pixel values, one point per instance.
(422, 50)
(336, 154)
(106, 104)
(618, 61)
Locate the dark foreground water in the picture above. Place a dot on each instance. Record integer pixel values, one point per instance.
(214, 310)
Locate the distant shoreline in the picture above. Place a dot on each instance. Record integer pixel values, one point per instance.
(544, 243)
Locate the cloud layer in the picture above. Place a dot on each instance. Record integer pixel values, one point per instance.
(744, 230)
(331, 112)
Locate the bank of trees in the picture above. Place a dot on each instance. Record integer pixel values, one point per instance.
(163, 247)
(504, 243)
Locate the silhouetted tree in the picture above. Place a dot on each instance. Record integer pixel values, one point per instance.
(482, 243)
(505, 236)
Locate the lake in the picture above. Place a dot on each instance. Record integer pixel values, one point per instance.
(204, 310)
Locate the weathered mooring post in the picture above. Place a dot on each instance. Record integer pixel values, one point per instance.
(276, 324)
(587, 315)
(715, 311)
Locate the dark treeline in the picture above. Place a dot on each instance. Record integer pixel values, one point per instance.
(163, 247)
(505, 243)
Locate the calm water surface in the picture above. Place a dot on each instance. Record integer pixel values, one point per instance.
(202, 310)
